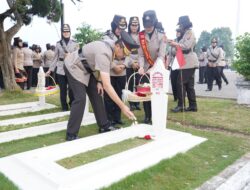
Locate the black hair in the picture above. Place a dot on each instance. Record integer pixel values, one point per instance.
(16, 42)
(113, 27)
(187, 25)
(48, 46)
(25, 44)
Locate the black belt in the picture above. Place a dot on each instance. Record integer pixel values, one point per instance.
(213, 61)
(187, 51)
(86, 66)
(61, 59)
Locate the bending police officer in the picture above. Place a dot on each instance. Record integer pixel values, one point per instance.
(92, 76)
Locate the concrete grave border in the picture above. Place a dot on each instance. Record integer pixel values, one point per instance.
(12, 109)
(37, 169)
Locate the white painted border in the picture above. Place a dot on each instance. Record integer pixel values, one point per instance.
(37, 169)
(35, 118)
(12, 109)
(8, 136)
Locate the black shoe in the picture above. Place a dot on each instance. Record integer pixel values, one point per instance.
(193, 109)
(177, 109)
(208, 90)
(71, 137)
(147, 120)
(107, 129)
(219, 87)
(227, 83)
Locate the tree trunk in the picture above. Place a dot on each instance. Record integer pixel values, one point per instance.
(7, 66)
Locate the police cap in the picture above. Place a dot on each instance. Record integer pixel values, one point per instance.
(66, 28)
(149, 19)
(120, 22)
(128, 41)
(134, 20)
(183, 20)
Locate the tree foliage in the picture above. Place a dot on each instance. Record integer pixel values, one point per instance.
(86, 34)
(21, 13)
(224, 36)
(242, 55)
(204, 41)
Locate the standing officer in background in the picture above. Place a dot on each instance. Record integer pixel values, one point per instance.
(222, 64)
(185, 80)
(28, 63)
(63, 47)
(133, 65)
(91, 76)
(203, 65)
(117, 72)
(171, 56)
(48, 57)
(214, 56)
(153, 46)
(118, 24)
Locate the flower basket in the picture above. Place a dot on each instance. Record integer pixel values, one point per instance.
(50, 90)
(141, 95)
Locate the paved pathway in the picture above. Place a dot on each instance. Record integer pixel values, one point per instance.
(227, 91)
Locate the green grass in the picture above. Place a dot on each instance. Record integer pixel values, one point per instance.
(182, 172)
(188, 171)
(5, 184)
(99, 153)
(216, 113)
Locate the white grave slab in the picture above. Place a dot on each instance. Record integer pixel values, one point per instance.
(12, 109)
(31, 119)
(37, 169)
(8, 136)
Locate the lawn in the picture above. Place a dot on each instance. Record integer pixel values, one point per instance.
(224, 123)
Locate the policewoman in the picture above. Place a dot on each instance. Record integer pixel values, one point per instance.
(118, 24)
(133, 63)
(152, 47)
(214, 56)
(185, 79)
(91, 75)
(63, 47)
(117, 72)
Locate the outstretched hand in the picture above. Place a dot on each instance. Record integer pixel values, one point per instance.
(128, 113)
(47, 73)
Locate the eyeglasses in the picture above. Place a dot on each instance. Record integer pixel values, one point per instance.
(214, 42)
(134, 25)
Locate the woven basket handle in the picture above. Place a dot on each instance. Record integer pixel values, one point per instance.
(52, 79)
(127, 83)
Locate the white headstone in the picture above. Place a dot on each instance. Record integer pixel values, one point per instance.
(41, 85)
(159, 81)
